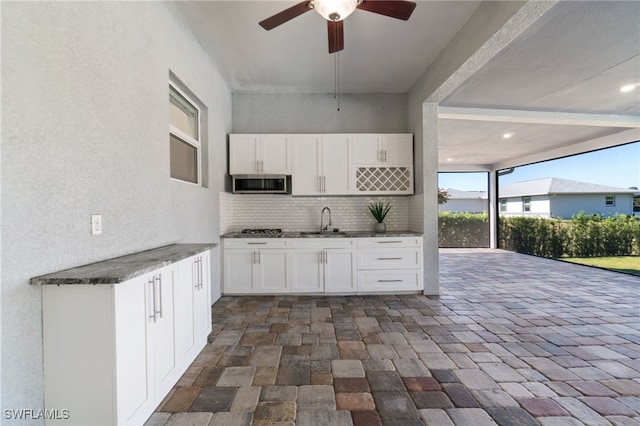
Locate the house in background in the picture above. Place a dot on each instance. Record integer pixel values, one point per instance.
(562, 198)
(465, 201)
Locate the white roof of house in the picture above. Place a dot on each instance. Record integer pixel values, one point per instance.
(558, 186)
(456, 194)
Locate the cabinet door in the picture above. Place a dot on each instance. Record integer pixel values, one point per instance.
(339, 271)
(398, 149)
(238, 270)
(244, 154)
(367, 149)
(184, 308)
(305, 179)
(335, 164)
(133, 359)
(271, 272)
(202, 297)
(275, 155)
(163, 332)
(308, 271)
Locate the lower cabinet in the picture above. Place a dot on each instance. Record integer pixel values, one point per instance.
(323, 265)
(112, 352)
(256, 266)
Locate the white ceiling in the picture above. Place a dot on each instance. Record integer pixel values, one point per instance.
(546, 87)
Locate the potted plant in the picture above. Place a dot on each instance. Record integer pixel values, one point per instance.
(379, 211)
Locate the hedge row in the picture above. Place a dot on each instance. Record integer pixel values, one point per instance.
(582, 236)
(463, 229)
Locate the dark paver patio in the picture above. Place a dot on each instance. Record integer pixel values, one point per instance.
(511, 340)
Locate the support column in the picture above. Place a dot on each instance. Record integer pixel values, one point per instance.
(493, 209)
(430, 198)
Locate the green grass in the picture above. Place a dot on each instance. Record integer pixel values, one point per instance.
(628, 264)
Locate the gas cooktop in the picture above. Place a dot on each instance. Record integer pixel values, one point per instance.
(258, 233)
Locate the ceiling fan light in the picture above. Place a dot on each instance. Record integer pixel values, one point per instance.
(335, 10)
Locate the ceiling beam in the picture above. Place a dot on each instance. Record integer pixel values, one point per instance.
(538, 117)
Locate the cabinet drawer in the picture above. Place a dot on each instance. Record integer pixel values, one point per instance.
(388, 281)
(322, 243)
(255, 243)
(390, 242)
(388, 259)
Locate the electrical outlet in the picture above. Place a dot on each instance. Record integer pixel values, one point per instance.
(96, 224)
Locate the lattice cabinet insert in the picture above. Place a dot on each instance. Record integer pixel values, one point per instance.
(384, 179)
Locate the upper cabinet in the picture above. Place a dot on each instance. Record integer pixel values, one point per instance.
(259, 154)
(382, 149)
(320, 164)
(381, 164)
(329, 164)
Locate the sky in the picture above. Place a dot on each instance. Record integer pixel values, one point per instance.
(618, 166)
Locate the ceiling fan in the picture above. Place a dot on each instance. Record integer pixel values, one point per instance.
(335, 11)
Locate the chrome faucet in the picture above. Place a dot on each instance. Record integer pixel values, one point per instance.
(324, 227)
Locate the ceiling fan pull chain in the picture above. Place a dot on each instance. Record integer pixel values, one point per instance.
(337, 78)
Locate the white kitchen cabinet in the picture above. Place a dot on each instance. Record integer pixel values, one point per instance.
(109, 349)
(112, 352)
(381, 164)
(192, 307)
(259, 154)
(320, 164)
(256, 266)
(389, 264)
(323, 265)
(382, 149)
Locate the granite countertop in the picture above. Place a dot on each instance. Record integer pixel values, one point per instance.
(124, 268)
(328, 234)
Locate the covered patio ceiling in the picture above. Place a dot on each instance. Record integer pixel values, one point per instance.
(555, 88)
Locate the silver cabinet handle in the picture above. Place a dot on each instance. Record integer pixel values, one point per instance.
(385, 156)
(259, 257)
(326, 257)
(194, 274)
(153, 298)
(388, 242)
(253, 258)
(389, 258)
(389, 281)
(158, 279)
(201, 274)
(257, 244)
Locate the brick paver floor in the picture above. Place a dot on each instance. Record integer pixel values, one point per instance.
(511, 340)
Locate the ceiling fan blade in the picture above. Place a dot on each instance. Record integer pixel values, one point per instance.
(286, 15)
(336, 35)
(395, 9)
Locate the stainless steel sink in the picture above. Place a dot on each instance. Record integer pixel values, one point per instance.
(326, 234)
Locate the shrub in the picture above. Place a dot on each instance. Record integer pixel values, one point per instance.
(583, 236)
(463, 229)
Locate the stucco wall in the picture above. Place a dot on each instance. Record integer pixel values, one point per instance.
(84, 131)
(469, 206)
(318, 113)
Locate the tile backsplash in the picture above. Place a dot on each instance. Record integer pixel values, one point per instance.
(295, 214)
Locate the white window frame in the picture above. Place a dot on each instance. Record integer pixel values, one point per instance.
(613, 200)
(196, 143)
(526, 204)
(503, 204)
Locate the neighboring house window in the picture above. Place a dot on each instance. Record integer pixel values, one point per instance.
(526, 204)
(503, 204)
(610, 200)
(184, 137)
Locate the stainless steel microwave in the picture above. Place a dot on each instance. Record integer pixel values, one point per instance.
(260, 184)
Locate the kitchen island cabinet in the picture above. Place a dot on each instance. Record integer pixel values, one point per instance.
(118, 334)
